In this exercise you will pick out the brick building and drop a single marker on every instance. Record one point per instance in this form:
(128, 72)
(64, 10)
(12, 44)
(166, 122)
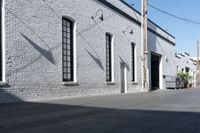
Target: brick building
(66, 48)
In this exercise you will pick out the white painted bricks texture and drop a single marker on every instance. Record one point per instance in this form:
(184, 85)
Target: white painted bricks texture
(34, 49)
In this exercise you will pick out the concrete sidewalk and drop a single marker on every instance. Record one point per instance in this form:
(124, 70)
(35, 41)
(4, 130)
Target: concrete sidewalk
(160, 111)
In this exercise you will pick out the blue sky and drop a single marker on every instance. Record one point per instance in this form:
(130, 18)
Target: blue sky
(186, 34)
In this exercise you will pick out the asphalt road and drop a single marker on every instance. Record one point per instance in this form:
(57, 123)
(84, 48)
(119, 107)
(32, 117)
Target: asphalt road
(175, 111)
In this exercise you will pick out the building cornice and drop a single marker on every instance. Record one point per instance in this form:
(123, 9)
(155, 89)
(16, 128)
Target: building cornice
(121, 12)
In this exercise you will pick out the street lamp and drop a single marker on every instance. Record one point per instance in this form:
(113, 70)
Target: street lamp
(128, 28)
(100, 13)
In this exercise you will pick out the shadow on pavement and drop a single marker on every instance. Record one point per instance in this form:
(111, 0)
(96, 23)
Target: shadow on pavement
(55, 118)
(7, 97)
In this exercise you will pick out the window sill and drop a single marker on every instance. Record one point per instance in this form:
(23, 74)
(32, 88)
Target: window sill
(3, 83)
(71, 83)
(110, 83)
(134, 83)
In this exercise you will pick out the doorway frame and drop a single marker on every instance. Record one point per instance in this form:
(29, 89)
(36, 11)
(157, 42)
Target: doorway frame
(123, 77)
(160, 70)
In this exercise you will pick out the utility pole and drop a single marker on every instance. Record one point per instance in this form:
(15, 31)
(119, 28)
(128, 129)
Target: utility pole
(197, 66)
(145, 46)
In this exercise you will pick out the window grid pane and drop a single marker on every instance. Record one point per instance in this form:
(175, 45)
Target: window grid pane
(67, 42)
(133, 62)
(108, 58)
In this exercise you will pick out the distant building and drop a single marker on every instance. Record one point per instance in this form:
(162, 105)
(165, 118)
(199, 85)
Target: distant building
(185, 63)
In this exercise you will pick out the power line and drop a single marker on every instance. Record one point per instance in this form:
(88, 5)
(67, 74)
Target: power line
(172, 15)
(188, 24)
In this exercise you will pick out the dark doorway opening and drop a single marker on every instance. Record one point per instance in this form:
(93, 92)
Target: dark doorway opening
(155, 71)
(187, 69)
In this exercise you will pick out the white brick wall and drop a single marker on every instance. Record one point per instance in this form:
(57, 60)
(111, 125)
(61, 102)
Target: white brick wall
(34, 48)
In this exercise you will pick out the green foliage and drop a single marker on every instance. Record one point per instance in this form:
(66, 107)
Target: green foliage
(184, 76)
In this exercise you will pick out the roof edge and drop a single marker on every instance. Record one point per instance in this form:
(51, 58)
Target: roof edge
(128, 16)
(148, 18)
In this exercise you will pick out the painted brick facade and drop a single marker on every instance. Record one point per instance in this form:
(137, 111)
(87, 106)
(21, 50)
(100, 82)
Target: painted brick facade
(33, 46)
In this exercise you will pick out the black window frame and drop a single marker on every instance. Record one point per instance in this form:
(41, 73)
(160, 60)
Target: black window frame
(108, 57)
(1, 52)
(67, 49)
(133, 61)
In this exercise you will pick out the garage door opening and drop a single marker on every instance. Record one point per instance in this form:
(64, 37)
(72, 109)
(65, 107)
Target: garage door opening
(155, 71)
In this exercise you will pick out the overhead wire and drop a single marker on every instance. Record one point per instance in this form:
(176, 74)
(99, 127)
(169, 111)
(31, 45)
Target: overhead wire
(175, 16)
(188, 24)
(187, 21)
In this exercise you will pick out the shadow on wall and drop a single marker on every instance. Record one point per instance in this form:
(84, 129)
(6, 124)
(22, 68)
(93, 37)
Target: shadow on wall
(97, 60)
(152, 38)
(46, 53)
(43, 53)
(124, 62)
(54, 118)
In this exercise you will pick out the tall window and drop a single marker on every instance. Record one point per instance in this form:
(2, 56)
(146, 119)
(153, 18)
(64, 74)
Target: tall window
(67, 46)
(133, 61)
(1, 45)
(108, 58)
